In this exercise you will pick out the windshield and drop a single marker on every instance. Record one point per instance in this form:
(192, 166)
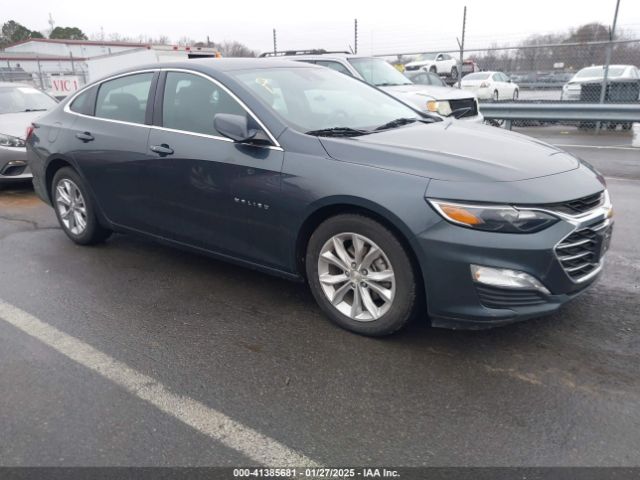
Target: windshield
(425, 78)
(427, 56)
(16, 99)
(310, 99)
(378, 72)
(599, 72)
(477, 76)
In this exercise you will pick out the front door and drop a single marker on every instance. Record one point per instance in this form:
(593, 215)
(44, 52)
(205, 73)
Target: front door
(203, 189)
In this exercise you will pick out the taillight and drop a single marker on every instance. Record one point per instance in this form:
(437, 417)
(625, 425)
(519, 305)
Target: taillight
(29, 131)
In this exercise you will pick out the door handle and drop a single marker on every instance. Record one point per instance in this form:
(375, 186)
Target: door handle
(162, 150)
(84, 136)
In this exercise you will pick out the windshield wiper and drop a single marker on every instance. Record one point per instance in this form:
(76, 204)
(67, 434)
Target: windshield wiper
(398, 122)
(459, 112)
(388, 84)
(337, 132)
(35, 110)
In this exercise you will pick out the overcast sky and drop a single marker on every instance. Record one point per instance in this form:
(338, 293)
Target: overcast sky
(385, 27)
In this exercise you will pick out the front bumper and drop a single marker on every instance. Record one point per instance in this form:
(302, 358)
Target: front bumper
(13, 164)
(455, 300)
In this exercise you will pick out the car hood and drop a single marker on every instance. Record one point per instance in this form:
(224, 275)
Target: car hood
(454, 151)
(419, 95)
(419, 63)
(598, 79)
(15, 124)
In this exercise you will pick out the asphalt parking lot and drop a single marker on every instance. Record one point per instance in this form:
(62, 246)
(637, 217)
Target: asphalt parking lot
(131, 353)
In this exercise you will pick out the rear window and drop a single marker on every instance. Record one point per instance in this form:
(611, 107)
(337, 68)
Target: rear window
(477, 76)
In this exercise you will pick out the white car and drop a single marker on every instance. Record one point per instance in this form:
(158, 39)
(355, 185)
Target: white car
(491, 86)
(572, 90)
(440, 63)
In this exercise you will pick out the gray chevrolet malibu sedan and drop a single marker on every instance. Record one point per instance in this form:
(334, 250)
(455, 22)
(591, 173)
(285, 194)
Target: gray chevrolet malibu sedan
(305, 173)
(20, 104)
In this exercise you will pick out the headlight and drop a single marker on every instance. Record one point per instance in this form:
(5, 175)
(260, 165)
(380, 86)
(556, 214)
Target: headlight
(441, 107)
(494, 218)
(10, 141)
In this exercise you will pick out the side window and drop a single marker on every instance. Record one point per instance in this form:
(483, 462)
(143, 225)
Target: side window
(124, 98)
(434, 79)
(334, 66)
(439, 57)
(83, 103)
(191, 101)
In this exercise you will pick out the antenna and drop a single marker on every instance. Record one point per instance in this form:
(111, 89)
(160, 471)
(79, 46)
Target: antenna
(51, 23)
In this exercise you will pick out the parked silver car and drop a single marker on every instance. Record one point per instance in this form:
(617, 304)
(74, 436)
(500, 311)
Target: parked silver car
(20, 104)
(443, 101)
(618, 74)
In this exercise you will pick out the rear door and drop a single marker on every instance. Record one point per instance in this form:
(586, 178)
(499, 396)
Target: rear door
(201, 188)
(109, 142)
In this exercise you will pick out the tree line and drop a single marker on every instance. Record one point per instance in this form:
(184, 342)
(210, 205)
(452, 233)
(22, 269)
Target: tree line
(543, 52)
(14, 32)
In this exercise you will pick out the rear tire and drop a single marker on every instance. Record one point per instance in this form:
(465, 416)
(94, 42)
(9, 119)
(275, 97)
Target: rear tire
(515, 95)
(368, 285)
(76, 209)
(454, 73)
(494, 97)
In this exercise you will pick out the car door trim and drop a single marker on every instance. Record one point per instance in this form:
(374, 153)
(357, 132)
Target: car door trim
(67, 108)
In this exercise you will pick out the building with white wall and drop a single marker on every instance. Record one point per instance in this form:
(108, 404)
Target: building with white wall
(67, 48)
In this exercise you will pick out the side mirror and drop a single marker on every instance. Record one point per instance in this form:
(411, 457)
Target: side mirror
(234, 127)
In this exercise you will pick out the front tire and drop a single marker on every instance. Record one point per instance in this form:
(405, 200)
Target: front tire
(361, 276)
(495, 96)
(75, 208)
(454, 73)
(515, 95)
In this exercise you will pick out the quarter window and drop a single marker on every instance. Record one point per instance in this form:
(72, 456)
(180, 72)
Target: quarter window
(83, 102)
(124, 98)
(191, 101)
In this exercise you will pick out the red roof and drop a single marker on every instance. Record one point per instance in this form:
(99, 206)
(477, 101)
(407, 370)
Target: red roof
(80, 42)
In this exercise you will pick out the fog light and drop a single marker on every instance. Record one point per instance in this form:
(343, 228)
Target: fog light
(505, 278)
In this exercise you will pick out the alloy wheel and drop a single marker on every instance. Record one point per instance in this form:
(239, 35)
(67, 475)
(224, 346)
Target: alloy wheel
(356, 276)
(71, 206)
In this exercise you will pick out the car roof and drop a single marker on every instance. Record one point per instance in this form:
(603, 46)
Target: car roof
(212, 65)
(15, 84)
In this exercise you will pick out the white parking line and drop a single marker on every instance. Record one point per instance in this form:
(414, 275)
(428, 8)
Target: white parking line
(206, 420)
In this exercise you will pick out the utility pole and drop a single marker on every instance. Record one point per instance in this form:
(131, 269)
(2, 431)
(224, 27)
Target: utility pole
(355, 35)
(461, 44)
(612, 33)
(275, 43)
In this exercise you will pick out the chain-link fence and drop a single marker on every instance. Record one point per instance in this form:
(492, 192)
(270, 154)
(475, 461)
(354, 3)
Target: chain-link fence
(56, 78)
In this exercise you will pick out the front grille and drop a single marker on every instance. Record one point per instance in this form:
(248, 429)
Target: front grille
(494, 297)
(469, 103)
(579, 253)
(578, 206)
(412, 67)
